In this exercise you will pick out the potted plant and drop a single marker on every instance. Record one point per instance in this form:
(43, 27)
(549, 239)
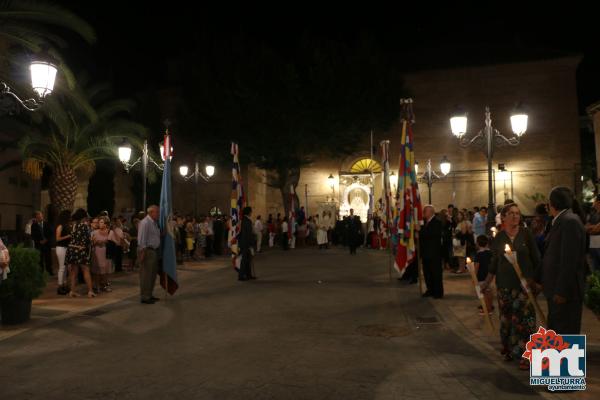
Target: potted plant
(25, 282)
(592, 294)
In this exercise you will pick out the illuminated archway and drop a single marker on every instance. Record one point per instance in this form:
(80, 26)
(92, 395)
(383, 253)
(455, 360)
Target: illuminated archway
(366, 166)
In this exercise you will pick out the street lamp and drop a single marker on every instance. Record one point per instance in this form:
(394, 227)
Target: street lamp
(331, 183)
(503, 175)
(125, 155)
(430, 176)
(393, 182)
(487, 138)
(210, 171)
(43, 76)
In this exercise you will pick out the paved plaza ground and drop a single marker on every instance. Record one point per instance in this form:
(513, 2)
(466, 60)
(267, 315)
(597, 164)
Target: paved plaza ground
(315, 325)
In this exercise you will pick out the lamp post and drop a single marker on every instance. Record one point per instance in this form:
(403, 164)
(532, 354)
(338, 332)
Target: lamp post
(125, 155)
(393, 182)
(503, 175)
(43, 76)
(488, 137)
(197, 174)
(331, 183)
(429, 176)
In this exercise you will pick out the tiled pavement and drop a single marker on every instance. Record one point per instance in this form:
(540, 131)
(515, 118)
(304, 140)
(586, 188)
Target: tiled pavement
(315, 325)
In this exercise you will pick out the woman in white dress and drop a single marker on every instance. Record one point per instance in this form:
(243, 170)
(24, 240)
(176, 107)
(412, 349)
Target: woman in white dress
(322, 226)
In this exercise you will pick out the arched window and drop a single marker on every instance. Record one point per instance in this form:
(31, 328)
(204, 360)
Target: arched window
(366, 166)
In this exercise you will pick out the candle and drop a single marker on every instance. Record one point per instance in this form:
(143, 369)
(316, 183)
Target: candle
(494, 231)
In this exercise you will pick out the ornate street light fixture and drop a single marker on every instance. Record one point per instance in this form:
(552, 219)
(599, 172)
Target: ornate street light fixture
(43, 77)
(429, 176)
(125, 151)
(487, 138)
(183, 171)
(393, 182)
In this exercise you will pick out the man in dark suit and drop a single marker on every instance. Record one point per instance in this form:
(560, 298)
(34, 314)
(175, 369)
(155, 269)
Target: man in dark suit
(246, 243)
(354, 231)
(42, 234)
(430, 246)
(563, 266)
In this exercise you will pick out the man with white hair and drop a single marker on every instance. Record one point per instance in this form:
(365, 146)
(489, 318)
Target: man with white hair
(430, 247)
(148, 248)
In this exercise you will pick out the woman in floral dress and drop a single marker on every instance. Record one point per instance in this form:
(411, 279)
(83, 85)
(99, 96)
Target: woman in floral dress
(517, 315)
(78, 252)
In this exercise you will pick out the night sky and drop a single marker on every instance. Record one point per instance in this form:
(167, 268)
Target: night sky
(136, 39)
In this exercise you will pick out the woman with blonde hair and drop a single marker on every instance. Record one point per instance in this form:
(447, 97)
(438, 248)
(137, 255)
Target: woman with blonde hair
(101, 264)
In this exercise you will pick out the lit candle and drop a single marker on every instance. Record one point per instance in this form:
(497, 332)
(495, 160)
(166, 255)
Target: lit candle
(494, 231)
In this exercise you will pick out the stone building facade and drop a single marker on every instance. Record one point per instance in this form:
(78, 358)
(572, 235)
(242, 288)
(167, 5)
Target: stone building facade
(548, 155)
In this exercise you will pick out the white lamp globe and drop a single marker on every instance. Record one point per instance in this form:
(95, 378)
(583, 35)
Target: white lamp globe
(43, 76)
(445, 166)
(183, 170)
(210, 170)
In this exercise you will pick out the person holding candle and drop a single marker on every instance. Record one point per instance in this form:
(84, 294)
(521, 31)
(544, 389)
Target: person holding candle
(517, 315)
(563, 270)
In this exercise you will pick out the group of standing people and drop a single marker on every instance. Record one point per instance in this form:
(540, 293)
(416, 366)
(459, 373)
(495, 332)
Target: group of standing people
(94, 246)
(551, 253)
(199, 237)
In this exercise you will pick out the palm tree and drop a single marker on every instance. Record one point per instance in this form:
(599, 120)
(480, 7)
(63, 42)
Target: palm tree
(72, 133)
(30, 26)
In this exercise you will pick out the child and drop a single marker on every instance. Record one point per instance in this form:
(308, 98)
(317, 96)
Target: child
(483, 258)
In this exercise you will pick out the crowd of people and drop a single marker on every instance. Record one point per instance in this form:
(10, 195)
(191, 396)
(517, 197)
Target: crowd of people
(551, 251)
(87, 249)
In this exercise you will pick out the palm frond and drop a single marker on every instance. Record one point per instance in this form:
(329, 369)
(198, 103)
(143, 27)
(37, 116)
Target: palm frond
(46, 13)
(116, 107)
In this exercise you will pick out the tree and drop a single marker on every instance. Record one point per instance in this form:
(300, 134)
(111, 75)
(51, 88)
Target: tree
(75, 129)
(286, 110)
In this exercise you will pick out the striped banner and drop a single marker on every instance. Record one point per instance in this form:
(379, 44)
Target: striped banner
(387, 190)
(238, 202)
(409, 208)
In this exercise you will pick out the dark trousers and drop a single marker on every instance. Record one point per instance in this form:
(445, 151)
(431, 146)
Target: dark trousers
(412, 272)
(46, 259)
(432, 269)
(245, 266)
(284, 241)
(148, 272)
(118, 258)
(565, 319)
(209, 247)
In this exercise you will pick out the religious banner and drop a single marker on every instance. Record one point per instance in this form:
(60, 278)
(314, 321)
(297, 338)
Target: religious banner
(410, 213)
(238, 202)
